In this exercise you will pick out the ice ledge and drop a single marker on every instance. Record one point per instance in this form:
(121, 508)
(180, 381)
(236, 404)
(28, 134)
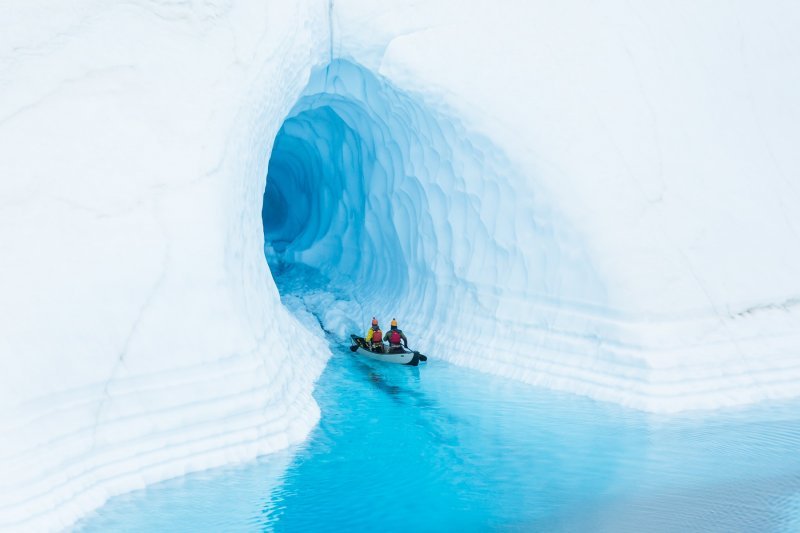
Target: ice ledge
(659, 367)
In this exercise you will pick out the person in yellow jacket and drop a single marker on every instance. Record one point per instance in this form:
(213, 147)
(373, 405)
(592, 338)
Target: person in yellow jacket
(374, 337)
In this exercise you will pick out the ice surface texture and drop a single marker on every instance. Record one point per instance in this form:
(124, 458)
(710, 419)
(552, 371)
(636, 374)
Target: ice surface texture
(656, 170)
(141, 336)
(490, 268)
(585, 196)
(428, 223)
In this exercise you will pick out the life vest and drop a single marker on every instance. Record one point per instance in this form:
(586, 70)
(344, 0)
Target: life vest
(377, 336)
(394, 337)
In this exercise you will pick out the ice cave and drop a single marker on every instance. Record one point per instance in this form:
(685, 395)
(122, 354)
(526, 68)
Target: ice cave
(584, 214)
(368, 185)
(342, 190)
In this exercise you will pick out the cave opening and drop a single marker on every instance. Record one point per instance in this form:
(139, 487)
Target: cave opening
(343, 198)
(396, 209)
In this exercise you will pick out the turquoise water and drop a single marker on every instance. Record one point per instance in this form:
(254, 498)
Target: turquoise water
(442, 448)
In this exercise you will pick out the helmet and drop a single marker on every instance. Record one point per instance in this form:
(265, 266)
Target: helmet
(374, 321)
(394, 322)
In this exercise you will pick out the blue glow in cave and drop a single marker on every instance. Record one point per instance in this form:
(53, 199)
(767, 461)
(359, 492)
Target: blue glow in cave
(395, 200)
(342, 194)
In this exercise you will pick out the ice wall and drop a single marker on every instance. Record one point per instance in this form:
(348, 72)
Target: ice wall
(595, 198)
(418, 216)
(588, 196)
(666, 136)
(141, 336)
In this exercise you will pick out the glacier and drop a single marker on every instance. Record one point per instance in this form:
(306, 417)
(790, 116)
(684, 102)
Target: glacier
(595, 198)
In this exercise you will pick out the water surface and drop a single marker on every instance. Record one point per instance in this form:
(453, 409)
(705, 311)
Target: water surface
(442, 448)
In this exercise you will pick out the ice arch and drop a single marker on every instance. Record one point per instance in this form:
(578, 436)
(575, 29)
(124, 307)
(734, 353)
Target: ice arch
(425, 221)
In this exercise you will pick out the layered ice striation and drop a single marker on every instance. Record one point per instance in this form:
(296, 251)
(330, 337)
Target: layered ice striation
(607, 210)
(484, 264)
(657, 152)
(141, 336)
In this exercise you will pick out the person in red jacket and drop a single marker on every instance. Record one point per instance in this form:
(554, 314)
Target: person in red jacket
(395, 337)
(374, 337)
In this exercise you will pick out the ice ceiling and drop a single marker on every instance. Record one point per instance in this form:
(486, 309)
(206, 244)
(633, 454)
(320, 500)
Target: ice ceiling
(349, 187)
(342, 194)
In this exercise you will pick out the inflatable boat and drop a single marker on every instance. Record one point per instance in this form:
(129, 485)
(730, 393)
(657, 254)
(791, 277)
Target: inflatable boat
(399, 356)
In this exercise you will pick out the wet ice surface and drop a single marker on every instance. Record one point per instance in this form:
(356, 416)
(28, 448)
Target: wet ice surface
(440, 448)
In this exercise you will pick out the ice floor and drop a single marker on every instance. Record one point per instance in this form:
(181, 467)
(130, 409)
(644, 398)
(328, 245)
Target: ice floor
(442, 447)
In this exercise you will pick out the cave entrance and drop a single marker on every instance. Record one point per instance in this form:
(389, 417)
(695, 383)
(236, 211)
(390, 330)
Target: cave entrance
(341, 201)
(371, 190)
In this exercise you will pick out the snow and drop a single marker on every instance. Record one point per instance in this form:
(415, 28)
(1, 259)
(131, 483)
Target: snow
(141, 335)
(653, 147)
(592, 197)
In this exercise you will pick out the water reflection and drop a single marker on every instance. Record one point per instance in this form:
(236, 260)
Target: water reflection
(440, 448)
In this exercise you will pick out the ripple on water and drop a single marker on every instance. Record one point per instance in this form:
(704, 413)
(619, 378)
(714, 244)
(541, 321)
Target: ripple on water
(440, 448)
